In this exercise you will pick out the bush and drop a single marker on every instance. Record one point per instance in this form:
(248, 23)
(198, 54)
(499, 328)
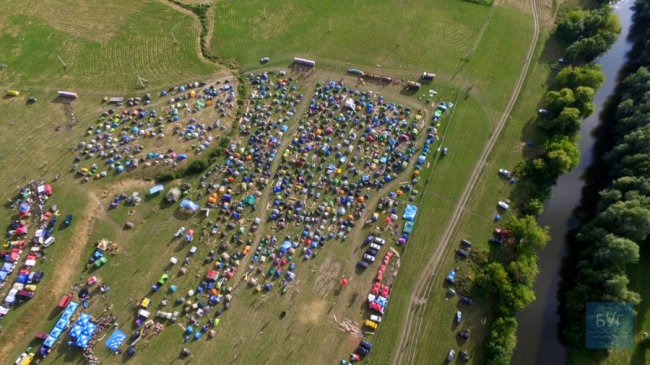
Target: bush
(196, 167)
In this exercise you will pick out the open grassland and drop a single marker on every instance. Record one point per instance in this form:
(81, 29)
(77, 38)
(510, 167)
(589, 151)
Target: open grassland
(105, 47)
(470, 47)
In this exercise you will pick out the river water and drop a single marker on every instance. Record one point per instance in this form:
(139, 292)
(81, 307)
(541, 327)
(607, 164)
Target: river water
(537, 341)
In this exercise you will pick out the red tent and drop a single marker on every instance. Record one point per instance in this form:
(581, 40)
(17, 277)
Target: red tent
(211, 275)
(344, 281)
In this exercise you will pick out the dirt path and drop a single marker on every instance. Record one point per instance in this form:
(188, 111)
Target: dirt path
(409, 336)
(197, 26)
(66, 274)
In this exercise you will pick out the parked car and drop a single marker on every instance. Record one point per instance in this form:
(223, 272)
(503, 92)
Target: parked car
(542, 111)
(35, 277)
(450, 355)
(371, 252)
(503, 205)
(459, 316)
(464, 355)
(505, 173)
(68, 220)
(49, 241)
(501, 231)
(462, 253)
(264, 59)
(466, 300)
(495, 240)
(466, 243)
(370, 324)
(380, 241)
(368, 257)
(376, 318)
(366, 344)
(375, 246)
(362, 264)
(362, 351)
(464, 333)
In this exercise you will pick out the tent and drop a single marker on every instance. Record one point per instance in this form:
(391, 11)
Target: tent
(156, 189)
(173, 195)
(115, 341)
(189, 205)
(410, 212)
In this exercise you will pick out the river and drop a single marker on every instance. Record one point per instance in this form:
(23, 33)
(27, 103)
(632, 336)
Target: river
(538, 342)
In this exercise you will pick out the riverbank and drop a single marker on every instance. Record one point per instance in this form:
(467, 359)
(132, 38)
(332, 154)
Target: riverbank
(538, 342)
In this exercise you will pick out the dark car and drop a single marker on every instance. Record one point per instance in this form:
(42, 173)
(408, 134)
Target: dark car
(362, 264)
(495, 241)
(371, 252)
(35, 277)
(466, 243)
(68, 220)
(462, 253)
(362, 351)
(464, 355)
(466, 300)
(464, 333)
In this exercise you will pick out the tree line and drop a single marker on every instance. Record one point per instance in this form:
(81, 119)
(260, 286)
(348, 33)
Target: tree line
(609, 243)
(586, 34)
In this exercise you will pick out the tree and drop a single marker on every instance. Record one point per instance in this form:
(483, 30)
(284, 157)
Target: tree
(528, 232)
(615, 252)
(562, 155)
(627, 219)
(587, 49)
(567, 122)
(571, 25)
(534, 207)
(558, 100)
(588, 75)
(584, 96)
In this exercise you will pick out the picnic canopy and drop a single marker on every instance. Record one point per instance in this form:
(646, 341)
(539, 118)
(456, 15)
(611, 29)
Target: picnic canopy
(83, 331)
(115, 341)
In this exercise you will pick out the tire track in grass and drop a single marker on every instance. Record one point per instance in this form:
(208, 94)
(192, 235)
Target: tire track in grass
(419, 299)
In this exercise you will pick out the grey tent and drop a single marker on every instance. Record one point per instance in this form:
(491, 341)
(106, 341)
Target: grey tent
(173, 195)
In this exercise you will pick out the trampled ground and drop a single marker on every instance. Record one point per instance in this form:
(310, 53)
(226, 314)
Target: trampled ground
(469, 46)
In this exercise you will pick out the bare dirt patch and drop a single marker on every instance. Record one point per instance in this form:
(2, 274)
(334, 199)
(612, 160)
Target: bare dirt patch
(312, 312)
(327, 276)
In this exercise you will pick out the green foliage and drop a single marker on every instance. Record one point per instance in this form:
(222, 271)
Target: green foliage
(196, 167)
(501, 341)
(534, 207)
(566, 123)
(482, 2)
(589, 32)
(556, 101)
(574, 76)
(562, 155)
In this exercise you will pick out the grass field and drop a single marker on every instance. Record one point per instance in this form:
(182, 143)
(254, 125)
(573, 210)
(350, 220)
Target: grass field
(469, 46)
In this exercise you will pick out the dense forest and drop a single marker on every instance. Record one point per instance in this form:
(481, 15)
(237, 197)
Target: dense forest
(606, 245)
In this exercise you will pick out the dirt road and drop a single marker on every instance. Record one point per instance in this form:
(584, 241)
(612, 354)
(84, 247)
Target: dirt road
(409, 336)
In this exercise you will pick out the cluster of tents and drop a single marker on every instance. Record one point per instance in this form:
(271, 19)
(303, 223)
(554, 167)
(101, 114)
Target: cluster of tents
(59, 328)
(113, 139)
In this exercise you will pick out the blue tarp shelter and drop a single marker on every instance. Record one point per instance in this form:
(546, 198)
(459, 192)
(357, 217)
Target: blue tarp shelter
(189, 205)
(115, 341)
(408, 227)
(156, 189)
(410, 212)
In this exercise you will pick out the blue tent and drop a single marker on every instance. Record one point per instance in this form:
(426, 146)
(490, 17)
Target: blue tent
(115, 341)
(156, 189)
(410, 212)
(7, 267)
